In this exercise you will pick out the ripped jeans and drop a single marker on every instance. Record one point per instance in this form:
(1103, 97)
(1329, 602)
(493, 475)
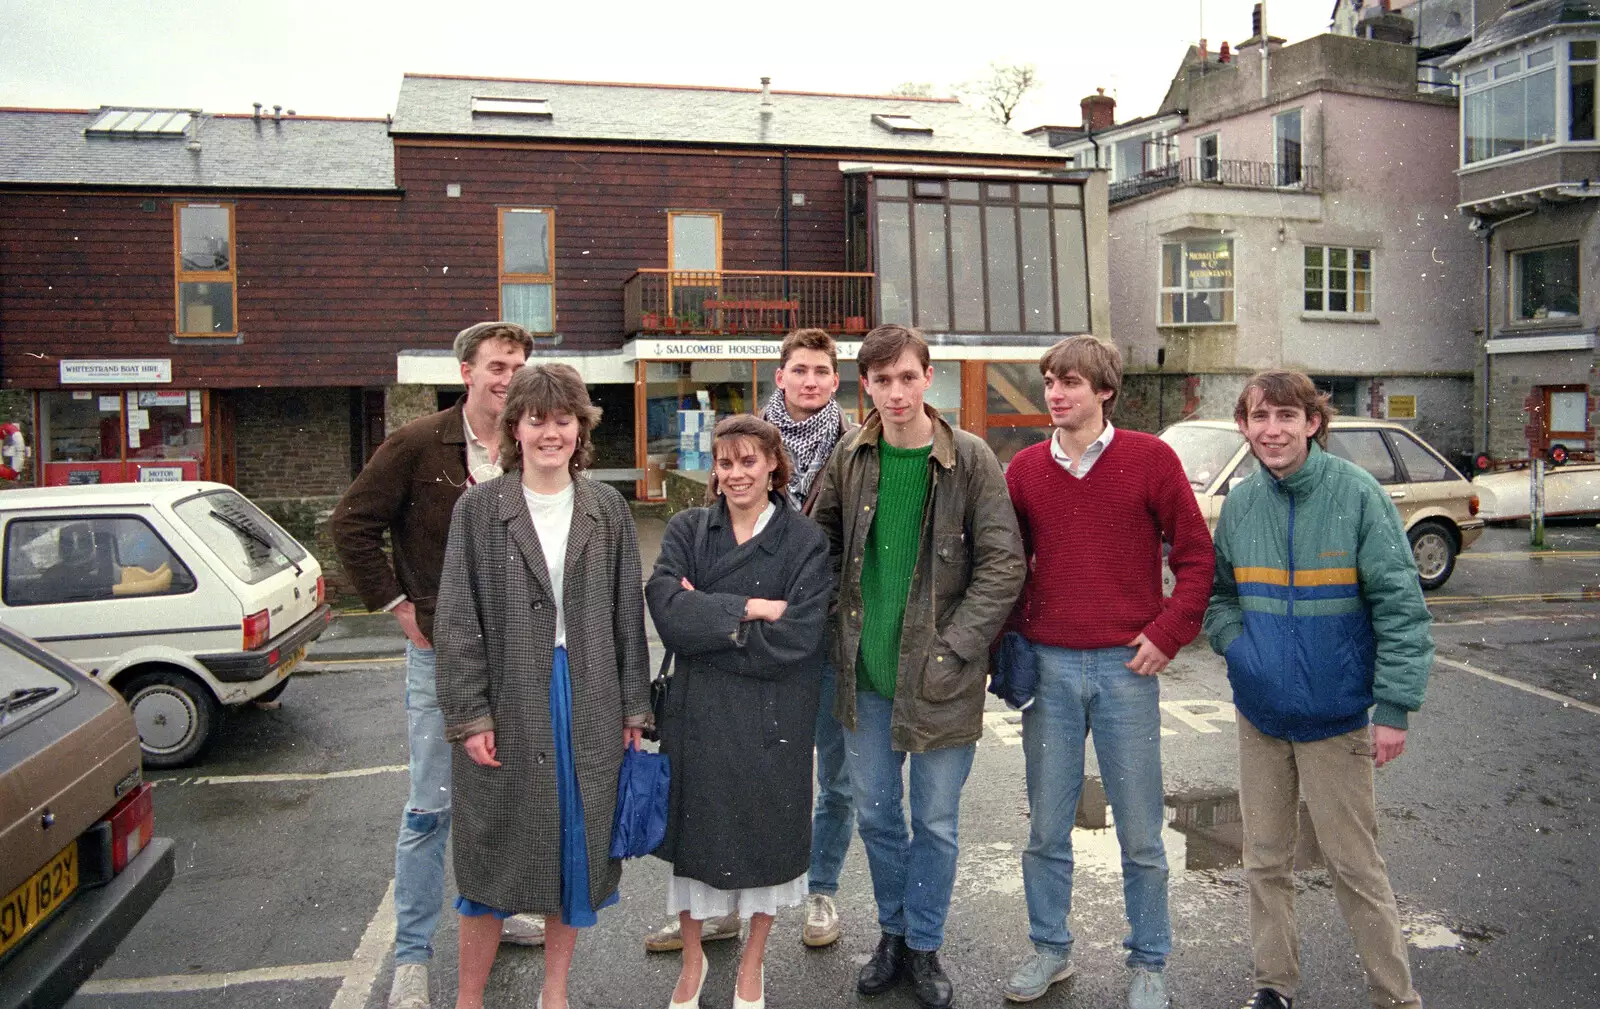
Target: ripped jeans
(425, 824)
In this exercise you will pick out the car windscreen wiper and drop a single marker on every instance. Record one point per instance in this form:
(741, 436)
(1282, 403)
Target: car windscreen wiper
(22, 697)
(257, 535)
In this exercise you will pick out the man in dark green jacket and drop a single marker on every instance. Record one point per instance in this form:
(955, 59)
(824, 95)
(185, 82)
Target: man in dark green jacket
(929, 563)
(1317, 608)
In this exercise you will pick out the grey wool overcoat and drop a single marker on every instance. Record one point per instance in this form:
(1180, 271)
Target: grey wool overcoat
(741, 712)
(495, 637)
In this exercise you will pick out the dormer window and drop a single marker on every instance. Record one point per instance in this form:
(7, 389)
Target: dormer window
(896, 123)
(504, 105)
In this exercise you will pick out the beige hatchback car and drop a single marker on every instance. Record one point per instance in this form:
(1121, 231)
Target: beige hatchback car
(1437, 504)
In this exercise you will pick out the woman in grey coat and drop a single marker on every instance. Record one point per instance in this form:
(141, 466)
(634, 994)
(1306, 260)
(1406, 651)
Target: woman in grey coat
(543, 680)
(740, 595)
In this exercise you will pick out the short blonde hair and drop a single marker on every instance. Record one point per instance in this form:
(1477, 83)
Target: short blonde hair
(540, 390)
(1097, 362)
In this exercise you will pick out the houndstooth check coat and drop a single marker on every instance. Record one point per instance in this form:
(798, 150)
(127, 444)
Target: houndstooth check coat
(495, 637)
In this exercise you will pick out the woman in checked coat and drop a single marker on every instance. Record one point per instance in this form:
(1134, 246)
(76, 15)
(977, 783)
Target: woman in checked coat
(740, 595)
(543, 679)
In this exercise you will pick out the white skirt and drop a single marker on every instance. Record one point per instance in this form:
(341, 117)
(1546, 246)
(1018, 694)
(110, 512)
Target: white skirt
(704, 901)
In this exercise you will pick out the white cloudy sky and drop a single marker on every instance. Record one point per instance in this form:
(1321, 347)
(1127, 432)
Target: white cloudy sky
(345, 57)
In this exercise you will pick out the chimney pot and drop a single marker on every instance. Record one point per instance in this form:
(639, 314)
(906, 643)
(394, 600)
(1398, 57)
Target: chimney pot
(766, 91)
(1224, 55)
(1099, 111)
(258, 109)
(277, 112)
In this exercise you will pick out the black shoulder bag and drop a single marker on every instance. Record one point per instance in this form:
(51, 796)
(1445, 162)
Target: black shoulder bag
(663, 680)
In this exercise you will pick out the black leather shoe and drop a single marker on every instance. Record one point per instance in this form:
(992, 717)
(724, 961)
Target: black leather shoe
(1268, 998)
(883, 970)
(928, 982)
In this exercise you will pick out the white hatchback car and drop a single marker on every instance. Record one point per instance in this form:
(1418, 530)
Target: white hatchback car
(183, 596)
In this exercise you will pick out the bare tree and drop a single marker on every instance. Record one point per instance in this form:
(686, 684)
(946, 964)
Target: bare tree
(1003, 90)
(912, 89)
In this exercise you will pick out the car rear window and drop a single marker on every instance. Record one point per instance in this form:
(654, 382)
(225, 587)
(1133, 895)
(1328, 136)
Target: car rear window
(248, 543)
(1202, 450)
(1422, 466)
(26, 688)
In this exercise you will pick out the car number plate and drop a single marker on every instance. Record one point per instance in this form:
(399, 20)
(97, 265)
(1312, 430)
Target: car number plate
(34, 901)
(288, 666)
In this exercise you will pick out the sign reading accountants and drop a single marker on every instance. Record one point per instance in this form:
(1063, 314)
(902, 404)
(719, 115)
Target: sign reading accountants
(123, 371)
(1209, 264)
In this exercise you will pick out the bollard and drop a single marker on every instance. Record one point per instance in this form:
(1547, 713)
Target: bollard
(1536, 500)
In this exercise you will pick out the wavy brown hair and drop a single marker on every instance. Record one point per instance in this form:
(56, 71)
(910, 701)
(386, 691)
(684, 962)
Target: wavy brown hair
(540, 390)
(1288, 388)
(748, 429)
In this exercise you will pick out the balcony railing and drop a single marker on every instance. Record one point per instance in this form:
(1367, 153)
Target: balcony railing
(1219, 172)
(747, 302)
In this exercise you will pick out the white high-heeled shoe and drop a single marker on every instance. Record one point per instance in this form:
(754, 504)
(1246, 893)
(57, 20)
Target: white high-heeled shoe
(761, 1000)
(694, 1000)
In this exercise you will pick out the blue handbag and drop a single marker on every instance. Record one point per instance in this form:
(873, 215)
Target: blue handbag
(1014, 671)
(641, 821)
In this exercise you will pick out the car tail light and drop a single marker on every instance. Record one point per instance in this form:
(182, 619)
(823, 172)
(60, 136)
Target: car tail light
(133, 824)
(257, 628)
(322, 590)
(1472, 505)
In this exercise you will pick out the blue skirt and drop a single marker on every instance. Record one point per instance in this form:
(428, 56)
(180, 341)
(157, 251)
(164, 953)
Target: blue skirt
(575, 909)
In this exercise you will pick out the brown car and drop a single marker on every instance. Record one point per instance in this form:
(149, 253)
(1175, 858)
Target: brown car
(1437, 504)
(79, 859)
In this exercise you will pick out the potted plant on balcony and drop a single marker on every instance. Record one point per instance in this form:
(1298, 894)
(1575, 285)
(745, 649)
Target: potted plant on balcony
(650, 320)
(855, 324)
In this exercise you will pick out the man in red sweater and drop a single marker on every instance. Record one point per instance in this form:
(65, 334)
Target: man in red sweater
(1095, 505)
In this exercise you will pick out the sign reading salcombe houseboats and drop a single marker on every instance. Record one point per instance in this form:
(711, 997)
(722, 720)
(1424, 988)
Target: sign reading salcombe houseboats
(129, 370)
(699, 350)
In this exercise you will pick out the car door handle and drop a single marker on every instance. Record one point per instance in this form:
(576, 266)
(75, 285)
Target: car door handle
(1397, 494)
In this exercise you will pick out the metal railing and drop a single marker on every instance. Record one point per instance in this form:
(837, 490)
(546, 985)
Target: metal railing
(1219, 172)
(747, 302)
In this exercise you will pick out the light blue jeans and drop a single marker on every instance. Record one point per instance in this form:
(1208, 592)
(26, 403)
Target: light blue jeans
(425, 825)
(912, 873)
(834, 817)
(1080, 690)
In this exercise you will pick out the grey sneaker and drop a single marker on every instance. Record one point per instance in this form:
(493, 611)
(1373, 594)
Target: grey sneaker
(1037, 973)
(523, 930)
(1148, 989)
(822, 921)
(669, 937)
(410, 988)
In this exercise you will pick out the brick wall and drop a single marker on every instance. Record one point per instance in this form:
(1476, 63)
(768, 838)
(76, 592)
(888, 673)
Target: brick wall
(292, 443)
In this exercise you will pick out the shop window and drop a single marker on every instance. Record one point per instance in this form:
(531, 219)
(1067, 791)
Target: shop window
(683, 400)
(1338, 280)
(528, 268)
(90, 436)
(206, 274)
(975, 258)
(1545, 284)
(1197, 282)
(66, 559)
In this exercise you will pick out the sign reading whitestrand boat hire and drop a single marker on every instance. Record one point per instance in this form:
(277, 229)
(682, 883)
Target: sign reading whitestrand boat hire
(96, 372)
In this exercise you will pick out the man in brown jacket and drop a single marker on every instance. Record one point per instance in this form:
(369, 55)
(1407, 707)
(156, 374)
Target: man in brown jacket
(408, 492)
(929, 563)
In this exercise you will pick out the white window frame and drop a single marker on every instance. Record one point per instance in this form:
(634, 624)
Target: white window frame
(1200, 158)
(1546, 55)
(1514, 296)
(1278, 163)
(1350, 273)
(1183, 288)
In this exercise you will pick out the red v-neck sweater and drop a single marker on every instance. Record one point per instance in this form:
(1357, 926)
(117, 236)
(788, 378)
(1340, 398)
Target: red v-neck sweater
(1094, 547)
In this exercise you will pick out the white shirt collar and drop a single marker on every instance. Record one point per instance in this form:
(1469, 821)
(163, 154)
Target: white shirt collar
(1090, 454)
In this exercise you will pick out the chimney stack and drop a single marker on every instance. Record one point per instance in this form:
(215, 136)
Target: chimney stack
(1205, 53)
(1255, 22)
(1224, 55)
(1099, 111)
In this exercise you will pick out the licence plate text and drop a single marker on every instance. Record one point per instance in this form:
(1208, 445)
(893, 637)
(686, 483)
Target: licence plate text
(35, 900)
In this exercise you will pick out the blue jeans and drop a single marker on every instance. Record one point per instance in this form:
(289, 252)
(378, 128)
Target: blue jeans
(1077, 690)
(425, 825)
(833, 819)
(912, 875)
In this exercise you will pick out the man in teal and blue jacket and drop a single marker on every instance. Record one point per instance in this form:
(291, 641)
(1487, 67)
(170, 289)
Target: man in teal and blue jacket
(1317, 608)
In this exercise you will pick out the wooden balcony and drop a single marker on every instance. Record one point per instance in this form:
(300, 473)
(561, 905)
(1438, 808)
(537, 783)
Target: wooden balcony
(747, 302)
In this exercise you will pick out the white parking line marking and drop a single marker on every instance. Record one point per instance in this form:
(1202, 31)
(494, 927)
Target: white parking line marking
(1549, 695)
(1198, 715)
(370, 951)
(257, 779)
(359, 972)
(171, 983)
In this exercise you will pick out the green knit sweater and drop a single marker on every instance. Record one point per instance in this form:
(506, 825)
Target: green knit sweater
(890, 561)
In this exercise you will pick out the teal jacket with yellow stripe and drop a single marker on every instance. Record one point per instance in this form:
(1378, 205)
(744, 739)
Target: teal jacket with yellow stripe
(1316, 604)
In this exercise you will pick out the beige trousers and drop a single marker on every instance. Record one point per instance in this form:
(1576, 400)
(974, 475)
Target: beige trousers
(1335, 777)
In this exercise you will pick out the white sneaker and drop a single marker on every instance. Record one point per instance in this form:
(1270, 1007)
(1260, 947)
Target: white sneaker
(822, 921)
(523, 930)
(410, 988)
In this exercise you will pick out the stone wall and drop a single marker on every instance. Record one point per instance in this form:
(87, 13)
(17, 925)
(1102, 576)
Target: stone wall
(291, 443)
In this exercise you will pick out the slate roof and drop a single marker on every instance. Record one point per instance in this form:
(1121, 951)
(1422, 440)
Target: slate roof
(650, 113)
(49, 148)
(1530, 19)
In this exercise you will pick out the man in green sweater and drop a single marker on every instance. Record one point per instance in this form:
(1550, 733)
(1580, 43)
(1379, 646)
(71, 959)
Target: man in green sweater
(930, 562)
(1317, 608)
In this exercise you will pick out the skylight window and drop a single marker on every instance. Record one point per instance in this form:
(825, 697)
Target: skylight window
(896, 123)
(500, 105)
(141, 123)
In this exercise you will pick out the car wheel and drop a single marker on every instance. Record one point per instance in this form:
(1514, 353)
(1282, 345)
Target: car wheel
(273, 694)
(174, 714)
(1433, 547)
